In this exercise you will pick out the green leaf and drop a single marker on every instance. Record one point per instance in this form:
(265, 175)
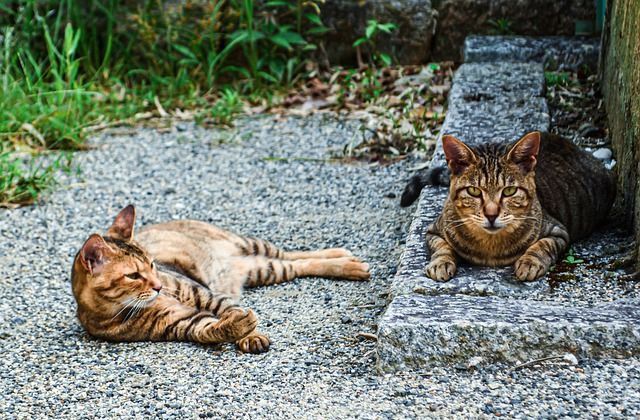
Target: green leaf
(236, 69)
(293, 37)
(385, 58)
(360, 41)
(267, 76)
(387, 27)
(185, 51)
(281, 41)
(318, 30)
(313, 18)
(372, 25)
(277, 3)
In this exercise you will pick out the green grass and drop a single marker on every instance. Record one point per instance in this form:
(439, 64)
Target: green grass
(558, 78)
(69, 65)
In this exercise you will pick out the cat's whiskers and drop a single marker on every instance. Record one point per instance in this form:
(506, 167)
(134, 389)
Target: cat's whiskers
(125, 305)
(454, 225)
(457, 221)
(141, 306)
(135, 309)
(524, 218)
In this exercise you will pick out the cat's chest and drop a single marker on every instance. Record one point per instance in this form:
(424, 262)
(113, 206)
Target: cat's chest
(489, 249)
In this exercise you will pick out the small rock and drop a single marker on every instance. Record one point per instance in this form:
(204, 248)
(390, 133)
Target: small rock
(474, 362)
(570, 358)
(493, 385)
(603, 154)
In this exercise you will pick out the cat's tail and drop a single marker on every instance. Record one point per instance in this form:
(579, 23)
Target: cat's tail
(437, 175)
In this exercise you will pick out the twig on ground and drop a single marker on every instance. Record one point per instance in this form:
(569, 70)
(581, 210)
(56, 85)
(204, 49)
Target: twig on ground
(367, 354)
(368, 306)
(161, 110)
(367, 336)
(29, 128)
(141, 116)
(570, 358)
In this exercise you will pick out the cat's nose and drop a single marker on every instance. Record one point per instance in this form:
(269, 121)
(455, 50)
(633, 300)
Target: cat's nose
(157, 288)
(491, 218)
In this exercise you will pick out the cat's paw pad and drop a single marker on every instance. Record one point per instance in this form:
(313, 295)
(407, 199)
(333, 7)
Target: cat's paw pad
(254, 343)
(237, 324)
(441, 270)
(529, 268)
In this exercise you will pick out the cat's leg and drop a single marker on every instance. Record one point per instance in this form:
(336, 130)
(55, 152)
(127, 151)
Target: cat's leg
(260, 247)
(190, 293)
(194, 294)
(260, 271)
(176, 322)
(540, 256)
(257, 271)
(443, 258)
(206, 304)
(239, 272)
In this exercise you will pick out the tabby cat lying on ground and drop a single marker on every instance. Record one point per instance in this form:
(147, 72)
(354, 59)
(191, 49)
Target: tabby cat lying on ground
(181, 281)
(518, 205)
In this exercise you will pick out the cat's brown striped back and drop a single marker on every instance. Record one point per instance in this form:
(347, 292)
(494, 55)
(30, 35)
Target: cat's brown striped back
(520, 205)
(182, 280)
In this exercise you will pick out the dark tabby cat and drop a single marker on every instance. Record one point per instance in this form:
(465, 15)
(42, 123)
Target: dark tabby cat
(518, 205)
(181, 281)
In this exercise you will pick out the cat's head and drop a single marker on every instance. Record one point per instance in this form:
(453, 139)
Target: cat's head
(113, 270)
(492, 188)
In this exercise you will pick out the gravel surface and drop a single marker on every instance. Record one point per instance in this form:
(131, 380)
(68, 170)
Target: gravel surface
(269, 178)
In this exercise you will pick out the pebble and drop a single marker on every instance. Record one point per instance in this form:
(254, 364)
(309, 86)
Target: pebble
(603, 154)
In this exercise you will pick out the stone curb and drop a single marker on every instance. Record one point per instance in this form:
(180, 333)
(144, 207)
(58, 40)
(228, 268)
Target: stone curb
(555, 52)
(437, 330)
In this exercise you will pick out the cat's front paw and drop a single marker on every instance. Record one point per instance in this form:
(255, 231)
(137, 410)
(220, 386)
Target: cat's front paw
(237, 324)
(441, 269)
(352, 268)
(529, 268)
(255, 343)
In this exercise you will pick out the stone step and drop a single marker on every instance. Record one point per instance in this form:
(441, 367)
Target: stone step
(421, 331)
(554, 52)
(494, 102)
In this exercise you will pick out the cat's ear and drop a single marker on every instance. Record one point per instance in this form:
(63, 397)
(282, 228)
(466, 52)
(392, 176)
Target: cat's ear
(94, 253)
(459, 155)
(122, 227)
(525, 152)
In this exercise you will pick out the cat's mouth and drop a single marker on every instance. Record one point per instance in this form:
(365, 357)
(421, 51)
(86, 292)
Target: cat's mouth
(150, 298)
(492, 228)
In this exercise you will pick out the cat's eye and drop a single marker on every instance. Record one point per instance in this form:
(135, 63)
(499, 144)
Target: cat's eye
(134, 276)
(474, 192)
(509, 191)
